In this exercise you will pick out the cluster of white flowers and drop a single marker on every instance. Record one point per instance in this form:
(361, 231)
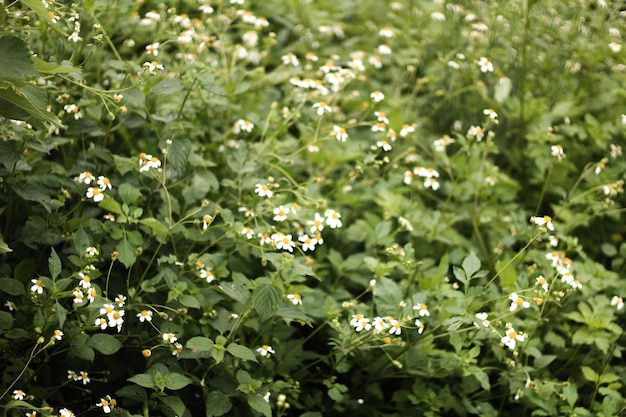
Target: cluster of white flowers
(148, 162)
(114, 318)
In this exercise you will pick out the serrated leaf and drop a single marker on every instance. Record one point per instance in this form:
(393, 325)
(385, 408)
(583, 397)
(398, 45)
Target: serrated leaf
(109, 204)
(200, 343)
(15, 58)
(127, 253)
(168, 87)
(241, 352)
(61, 314)
(158, 227)
(471, 264)
(12, 286)
(217, 404)
(175, 403)
(128, 193)
(54, 264)
(189, 301)
(6, 320)
(176, 381)
(267, 299)
(143, 380)
(51, 68)
(26, 100)
(104, 343)
(235, 291)
(589, 373)
(256, 402)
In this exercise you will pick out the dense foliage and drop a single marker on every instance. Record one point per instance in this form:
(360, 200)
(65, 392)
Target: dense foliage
(300, 208)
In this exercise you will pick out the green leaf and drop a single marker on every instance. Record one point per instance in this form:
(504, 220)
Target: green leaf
(132, 392)
(235, 291)
(23, 101)
(109, 204)
(54, 264)
(51, 68)
(589, 374)
(200, 343)
(61, 313)
(241, 352)
(128, 193)
(81, 240)
(217, 404)
(388, 296)
(176, 381)
(168, 87)
(267, 299)
(83, 352)
(127, 253)
(12, 286)
(483, 378)
(508, 275)
(175, 403)
(143, 380)
(104, 343)
(189, 301)
(4, 247)
(543, 361)
(15, 59)
(6, 320)
(256, 402)
(471, 264)
(158, 228)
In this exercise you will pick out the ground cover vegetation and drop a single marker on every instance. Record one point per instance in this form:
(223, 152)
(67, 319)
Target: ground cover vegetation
(312, 208)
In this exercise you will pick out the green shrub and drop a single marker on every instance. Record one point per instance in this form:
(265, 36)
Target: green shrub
(312, 208)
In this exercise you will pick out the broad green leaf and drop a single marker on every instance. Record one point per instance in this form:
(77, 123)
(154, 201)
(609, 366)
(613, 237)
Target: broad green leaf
(508, 275)
(267, 299)
(109, 204)
(158, 227)
(256, 402)
(589, 373)
(104, 343)
(175, 403)
(143, 380)
(200, 343)
(241, 352)
(127, 253)
(28, 99)
(51, 68)
(189, 301)
(15, 59)
(176, 381)
(12, 286)
(6, 320)
(471, 264)
(81, 240)
(128, 193)
(543, 361)
(54, 264)
(217, 404)
(83, 352)
(61, 314)
(132, 392)
(168, 87)
(388, 297)
(570, 392)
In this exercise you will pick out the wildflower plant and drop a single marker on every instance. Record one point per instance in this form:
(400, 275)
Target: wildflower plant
(311, 208)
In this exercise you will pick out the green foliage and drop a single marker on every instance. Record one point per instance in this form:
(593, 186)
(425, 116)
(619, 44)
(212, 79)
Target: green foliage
(312, 208)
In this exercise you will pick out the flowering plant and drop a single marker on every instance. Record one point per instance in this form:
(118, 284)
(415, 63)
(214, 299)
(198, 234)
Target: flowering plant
(311, 209)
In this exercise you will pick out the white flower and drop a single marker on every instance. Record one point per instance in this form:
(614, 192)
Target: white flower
(482, 317)
(280, 213)
(243, 126)
(308, 243)
(377, 96)
(542, 282)
(340, 133)
(422, 310)
(511, 337)
(557, 151)
(543, 221)
(332, 218)
(145, 315)
(517, 301)
(263, 190)
(169, 337)
(485, 65)
(615, 47)
(295, 299)
(95, 193)
(37, 286)
(153, 48)
(283, 241)
(265, 350)
(360, 322)
(618, 302)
